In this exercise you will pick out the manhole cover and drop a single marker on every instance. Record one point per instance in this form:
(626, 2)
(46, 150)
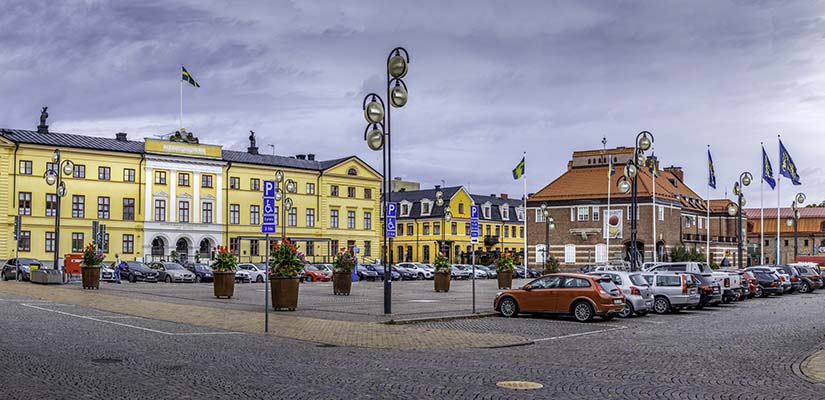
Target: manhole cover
(106, 360)
(519, 385)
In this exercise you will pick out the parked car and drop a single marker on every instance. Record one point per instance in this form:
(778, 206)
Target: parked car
(203, 272)
(491, 272)
(810, 277)
(107, 273)
(638, 297)
(255, 274)
(751, 281)
(769, 282)
(730, 285)
(710, 294)
(172, 272)
(518, 272)
(672, 291)
(313, 273)
(458, 273)
(784, 278)
(12, 271)
(242, 275)
(406, 273)
(479, 274)
(797, 280)
(579, 295)
(419, 271)
(367, 272)
(137, 271)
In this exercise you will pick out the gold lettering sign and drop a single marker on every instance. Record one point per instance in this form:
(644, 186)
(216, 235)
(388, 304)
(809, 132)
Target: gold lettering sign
(182, 149)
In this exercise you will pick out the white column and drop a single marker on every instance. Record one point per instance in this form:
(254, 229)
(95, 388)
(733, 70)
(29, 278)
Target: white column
(148, 204)
(173, 200)
(196, 189)
(219, 198)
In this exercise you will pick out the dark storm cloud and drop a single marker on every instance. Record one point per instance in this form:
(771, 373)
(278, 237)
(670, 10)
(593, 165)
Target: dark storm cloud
(488, 80)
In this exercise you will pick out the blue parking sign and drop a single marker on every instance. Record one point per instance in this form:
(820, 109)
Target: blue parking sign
(474, 224)
(269, 224)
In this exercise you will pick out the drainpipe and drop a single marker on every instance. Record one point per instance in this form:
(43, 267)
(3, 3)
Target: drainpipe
(14, 179)
(140, 183)
(226, 206)
(319, 216)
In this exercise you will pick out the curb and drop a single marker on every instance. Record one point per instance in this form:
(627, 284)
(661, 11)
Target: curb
(409, 321)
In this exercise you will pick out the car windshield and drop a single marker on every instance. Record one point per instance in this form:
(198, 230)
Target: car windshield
(703, 268)
(202, 267)
(608, 285)
(172, 266)
(637, 279)
(29, 261)
(136, 265)
(310, 268)
(260, 267)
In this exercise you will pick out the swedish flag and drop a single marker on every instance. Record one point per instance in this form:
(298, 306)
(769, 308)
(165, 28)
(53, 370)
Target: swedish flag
(611, 169)
(767, 170)
(518, 171)
(786, 165)
(653, 165)
(188, 78)
(711, 172)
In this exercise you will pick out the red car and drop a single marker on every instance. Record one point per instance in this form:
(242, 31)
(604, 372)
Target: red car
(749, 279)
(313, 273)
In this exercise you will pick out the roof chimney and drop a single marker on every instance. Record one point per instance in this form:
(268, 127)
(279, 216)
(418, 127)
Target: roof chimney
(676, 171)
(252, 149)
(493, 195)
(437, 187)
(301, 156)
(505, 196)
(311, 157)
(120, 136)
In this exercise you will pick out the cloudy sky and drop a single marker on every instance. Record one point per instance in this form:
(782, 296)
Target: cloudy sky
(487, 81)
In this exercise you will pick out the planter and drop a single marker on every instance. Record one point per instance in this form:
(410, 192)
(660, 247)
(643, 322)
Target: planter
(505, 279)
(342, 283)
(224, 284)
(284, 293)
(91, 277)
(442, 281)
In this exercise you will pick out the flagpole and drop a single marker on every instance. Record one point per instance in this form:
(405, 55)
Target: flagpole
(525, 214)
(607, 216)
(653, 179)
(762, 210)
(778, 190)
(707, 222)
(180, 79)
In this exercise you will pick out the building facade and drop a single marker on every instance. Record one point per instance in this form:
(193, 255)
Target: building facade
(178, 198)
(810, 236)
(578, 203)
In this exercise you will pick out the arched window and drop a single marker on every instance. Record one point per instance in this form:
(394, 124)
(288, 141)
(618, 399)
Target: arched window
(822, 227)
(352, 171)
(157, 247)
(750, 227)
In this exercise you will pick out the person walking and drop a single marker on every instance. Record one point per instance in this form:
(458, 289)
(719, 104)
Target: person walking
(116, 268)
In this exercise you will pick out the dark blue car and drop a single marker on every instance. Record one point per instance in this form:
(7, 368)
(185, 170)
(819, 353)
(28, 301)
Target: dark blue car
(203, 272)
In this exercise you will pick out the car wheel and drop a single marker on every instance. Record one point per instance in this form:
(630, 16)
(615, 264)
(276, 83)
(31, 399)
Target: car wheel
(168, 279)
(420, 276)
(661, 305)
(132, 278)
(309, 278)
(627, 311)
(19, 276)
(583, 311)
(804, 287)
(197, 279)
(759, 292)
(5, 277)
(260, 279)
(508, 307)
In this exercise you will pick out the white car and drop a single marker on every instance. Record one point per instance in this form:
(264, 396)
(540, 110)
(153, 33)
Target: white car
(107, 274)
(242, 275)
(419, 270)
(255, 274)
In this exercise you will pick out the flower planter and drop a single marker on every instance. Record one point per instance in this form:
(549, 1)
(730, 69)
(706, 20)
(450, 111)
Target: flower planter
(505, 279)
(224, 284)
(91, 277)
(442, 281)
(342, 283)
(284, 293)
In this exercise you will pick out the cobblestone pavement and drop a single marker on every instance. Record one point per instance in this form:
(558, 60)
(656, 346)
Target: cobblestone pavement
(749, 350)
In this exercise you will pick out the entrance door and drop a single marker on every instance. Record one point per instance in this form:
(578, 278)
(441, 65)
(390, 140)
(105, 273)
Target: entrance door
(182, 247)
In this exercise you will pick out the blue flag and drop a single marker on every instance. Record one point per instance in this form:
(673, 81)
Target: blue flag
(518, 171)
(786, 166)
(711, 173)
(611, 169)
(653, 165)
(767, 170)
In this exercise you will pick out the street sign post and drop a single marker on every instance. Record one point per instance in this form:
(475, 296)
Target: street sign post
(269, 225)
(473, 243)
(392, 210)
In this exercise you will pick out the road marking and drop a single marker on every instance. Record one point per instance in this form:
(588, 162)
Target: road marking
(115, 316)
(424, 301)
(128, 325)
(580, 334)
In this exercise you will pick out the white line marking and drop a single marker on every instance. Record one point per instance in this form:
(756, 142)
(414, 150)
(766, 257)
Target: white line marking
(130, 326)
(115, 316)
(580, 334)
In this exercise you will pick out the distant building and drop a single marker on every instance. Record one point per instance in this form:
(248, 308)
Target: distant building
(399, 185)
(810, 235)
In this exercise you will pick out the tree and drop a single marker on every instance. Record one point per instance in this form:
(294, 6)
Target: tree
(680, 253)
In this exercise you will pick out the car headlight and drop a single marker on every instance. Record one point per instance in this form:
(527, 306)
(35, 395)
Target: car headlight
(138, 273)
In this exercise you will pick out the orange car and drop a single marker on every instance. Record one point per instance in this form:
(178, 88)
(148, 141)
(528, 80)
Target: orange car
(582, 296)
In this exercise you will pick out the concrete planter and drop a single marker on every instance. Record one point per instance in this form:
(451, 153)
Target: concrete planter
(284, 293)
(224, 284)
(442, 282)
(342, 283)
(90, 277)
(505, 279)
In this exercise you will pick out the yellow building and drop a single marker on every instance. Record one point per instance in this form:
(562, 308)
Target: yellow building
(178, 198)
(421, 233)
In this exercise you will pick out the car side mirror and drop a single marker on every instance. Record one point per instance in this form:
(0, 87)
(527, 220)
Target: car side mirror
(527, 287)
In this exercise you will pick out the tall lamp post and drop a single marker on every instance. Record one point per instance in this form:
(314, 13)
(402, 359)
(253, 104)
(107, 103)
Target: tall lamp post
(629, 183)
(794, 221)
(549, 223)
(745, 179)
(55, 178)
(289, 187)
(446, 216)
(378, 132)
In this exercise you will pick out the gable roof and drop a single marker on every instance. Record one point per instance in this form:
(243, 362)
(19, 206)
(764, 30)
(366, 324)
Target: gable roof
(415, 197)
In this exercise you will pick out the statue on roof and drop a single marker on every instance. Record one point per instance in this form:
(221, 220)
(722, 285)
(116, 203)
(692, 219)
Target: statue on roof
(44, 115)
(251, 138)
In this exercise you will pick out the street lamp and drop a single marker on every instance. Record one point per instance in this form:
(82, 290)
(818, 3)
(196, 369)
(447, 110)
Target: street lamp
(629, 183)
(446, 216)
(377, 136)
(794, 220)
(745, 179)
(54, 177)
(549, 223)
(284, 188)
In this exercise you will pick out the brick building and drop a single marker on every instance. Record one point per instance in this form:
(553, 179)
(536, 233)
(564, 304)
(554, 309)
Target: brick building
(811, 233)
(578, 201)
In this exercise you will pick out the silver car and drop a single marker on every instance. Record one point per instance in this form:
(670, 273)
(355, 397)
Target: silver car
(172, 272)
(672, 291)
(637, 292)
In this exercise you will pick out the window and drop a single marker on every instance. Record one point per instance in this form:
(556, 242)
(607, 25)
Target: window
(582, 214)
(700, 222)
(505, 212)
(661, 213)
(206, 181)
(254, 215)
(467, 228)
(767, 243)
(79, 171)
(160, 210)
(461, 208)
(506, 232)
(368, 194)
(310, 217)
(352, 171)
(426, 228)
(333, 191)
(49, 242)
(333, 247)
(333, 218)
(540, 215)
(454, 228)
(104, 173)
(575, 283)
(160, 177)
(128, 209)
(206, 213)
(254, 184)
(405, 210)
(410, 229)
(50, 166)
(350, 219)
(310, 248)
(513, 231)
(254, 247)
(102, 208)
(426, 253)
(24, 203)
(183, 211)
(521, 232)
(487, 230)
(77, 242)
(786, 242)
(351, 192)
(234, 214)
(105, 246)
(687, 222)
(234, 182)
(183, 179)
(292, 217)
(570, 254)
(572, 214)
(806, 242)
(78, 206)
(128, 175)
(400, 229)
(520, 214)
(24, 241)
(367, 220)
(235, 245)
(425, 208)
(128, 244)
(25, 168)
(595, 213)
(487, 210)
(436, 228)
(668, 280)
(367, 248)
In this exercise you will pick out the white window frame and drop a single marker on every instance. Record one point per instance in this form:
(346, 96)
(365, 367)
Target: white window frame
(505, 211)
(487, 210)
(572, 214)
(540, 253)
(582, 214)
(539, 215)
(661, 213)
(520, 214)
(429, 209)
(570, 254)
(595, 213)
(700, 222)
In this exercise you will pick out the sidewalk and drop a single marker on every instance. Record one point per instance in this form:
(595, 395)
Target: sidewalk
(814, 366)
(326, 331)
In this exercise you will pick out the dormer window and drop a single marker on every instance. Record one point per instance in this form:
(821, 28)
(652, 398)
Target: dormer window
(405, 209)
(487, 210)
(505, 212)
(520, 213)
(426, 207)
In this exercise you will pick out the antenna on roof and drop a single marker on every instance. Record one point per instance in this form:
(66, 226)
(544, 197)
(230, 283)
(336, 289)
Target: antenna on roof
(163, 136)
(273, 148)
(604, 142)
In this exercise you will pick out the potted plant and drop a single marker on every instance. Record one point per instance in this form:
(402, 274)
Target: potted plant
(342, 267)
(92, 257)
(504, 267)
(443, 271)
(551, 265)
(224, 273)
(285, 265)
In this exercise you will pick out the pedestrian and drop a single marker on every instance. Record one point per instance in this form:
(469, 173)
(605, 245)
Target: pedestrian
(725, 262)
(116, 268)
